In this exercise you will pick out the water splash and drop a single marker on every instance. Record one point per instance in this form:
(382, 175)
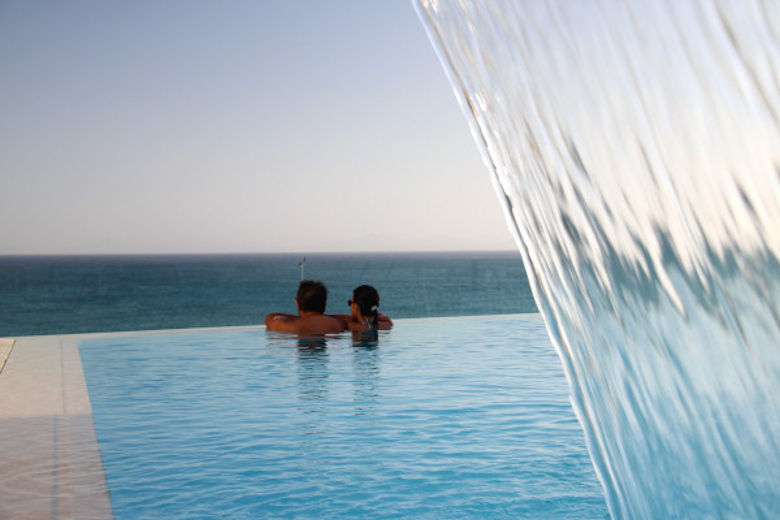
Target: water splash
(636, 150)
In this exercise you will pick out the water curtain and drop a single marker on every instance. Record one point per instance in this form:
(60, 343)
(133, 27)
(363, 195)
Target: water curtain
(635, 147)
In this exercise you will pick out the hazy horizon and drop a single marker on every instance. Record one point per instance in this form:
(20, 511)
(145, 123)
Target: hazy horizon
(238, 128)
(294, 255)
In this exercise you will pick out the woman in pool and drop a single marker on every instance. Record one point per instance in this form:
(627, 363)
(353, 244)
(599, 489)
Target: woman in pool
(365, 315)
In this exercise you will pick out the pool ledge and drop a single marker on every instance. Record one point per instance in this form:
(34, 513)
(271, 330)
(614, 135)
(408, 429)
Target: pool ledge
(50, 464)
(78, 336)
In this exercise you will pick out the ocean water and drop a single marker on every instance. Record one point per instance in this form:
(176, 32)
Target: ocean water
(635, 146)
(57, 295)
(438, 418)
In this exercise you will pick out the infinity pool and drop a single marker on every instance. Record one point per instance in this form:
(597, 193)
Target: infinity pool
(438, 418)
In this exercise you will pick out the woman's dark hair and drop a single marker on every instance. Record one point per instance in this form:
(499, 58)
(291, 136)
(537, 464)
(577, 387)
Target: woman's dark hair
(367, 298)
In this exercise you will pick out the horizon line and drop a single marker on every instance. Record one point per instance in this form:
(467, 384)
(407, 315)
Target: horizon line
(282, 253)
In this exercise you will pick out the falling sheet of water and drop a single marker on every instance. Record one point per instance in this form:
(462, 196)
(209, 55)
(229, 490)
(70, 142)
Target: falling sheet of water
(636, 149)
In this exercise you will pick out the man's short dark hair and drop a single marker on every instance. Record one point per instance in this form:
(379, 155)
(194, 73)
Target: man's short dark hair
(312, 296)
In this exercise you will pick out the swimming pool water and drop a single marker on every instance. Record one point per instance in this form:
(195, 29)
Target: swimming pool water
(442, 418)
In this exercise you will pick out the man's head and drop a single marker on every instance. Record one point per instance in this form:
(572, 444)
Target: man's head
(312, 296)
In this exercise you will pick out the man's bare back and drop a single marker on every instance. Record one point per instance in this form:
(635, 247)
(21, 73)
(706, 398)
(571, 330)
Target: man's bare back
(310, 301)
(306, 323)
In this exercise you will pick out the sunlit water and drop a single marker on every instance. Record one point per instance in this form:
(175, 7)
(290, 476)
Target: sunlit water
(446, 418)
(636, 148)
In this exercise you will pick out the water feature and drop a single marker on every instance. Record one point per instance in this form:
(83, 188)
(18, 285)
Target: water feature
(635, 147)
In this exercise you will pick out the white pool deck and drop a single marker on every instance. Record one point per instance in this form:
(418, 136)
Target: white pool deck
(50, 463)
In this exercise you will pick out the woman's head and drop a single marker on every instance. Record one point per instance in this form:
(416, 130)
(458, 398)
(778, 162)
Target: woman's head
(366, 298)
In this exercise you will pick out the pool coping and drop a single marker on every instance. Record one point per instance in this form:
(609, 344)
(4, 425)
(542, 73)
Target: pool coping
(50, 462)
(228, 328)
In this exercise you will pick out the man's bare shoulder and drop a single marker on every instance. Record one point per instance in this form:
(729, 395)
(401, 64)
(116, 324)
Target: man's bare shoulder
(321, 324)
(282, 322)
(312, 324)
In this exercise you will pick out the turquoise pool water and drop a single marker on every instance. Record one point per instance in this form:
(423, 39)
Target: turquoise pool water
(439, 418)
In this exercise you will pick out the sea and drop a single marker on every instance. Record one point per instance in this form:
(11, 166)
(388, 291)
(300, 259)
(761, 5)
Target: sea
(78, 294)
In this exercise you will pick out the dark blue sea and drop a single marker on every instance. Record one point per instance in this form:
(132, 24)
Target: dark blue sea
(72, 294)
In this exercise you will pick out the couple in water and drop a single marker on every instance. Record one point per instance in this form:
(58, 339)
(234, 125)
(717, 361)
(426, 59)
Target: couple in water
(311, 299)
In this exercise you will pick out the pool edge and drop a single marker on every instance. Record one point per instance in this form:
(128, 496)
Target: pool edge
(197, 330)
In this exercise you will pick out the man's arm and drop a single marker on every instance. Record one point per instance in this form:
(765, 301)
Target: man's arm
(345, 318)
(282, 322)
(382, 320)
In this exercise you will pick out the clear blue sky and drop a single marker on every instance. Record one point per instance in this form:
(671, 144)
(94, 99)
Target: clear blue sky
(237, 126)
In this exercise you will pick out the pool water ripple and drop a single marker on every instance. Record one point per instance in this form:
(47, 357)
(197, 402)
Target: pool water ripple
(436, 419)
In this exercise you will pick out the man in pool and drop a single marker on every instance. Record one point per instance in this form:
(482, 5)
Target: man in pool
(311, 299)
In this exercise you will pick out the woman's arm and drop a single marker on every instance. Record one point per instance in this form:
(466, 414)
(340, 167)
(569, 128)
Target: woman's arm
(383, 321)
